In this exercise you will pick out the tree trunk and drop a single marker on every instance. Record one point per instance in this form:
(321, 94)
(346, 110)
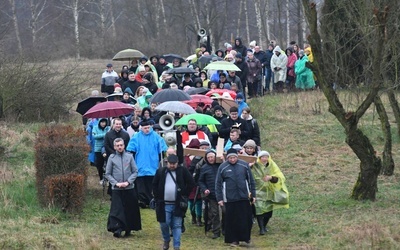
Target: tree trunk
(113, 29)
(300, 22)
(239, 18)
(267, 19)
(280, 28)
(257, 7)
(287, 24)
(16, 27)
(387, 158)
(366, 185)
(164, 19)
(102, 23)
(75, 11)
(246, 14)
(395, 107)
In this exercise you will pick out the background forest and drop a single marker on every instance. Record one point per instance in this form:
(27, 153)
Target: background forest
(59, 29)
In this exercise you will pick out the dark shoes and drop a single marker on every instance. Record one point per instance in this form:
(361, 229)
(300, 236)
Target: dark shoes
(128, 233)
(216, 235)
(117, 234)
(165, 245)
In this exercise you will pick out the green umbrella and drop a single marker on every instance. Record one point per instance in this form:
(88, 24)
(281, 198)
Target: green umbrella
(128, 55)
(201, 119)
(222, 65)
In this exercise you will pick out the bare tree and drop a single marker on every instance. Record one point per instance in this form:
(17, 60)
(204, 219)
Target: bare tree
(246, 14)
(287, 23)
(260, 27)
(16, 27)
(370, 164)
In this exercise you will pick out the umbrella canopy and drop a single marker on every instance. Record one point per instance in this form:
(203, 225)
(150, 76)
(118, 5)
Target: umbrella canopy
(86, 104)
(112, 96)
(205, 59)
(195, 91)
(176, 107)
(181, 70)
(166, 95)
(201, 119)
(128, 55)
(226, 103)
(199, 100)
(222, 65)
(171, 57)
(218, 92)
(108, 109)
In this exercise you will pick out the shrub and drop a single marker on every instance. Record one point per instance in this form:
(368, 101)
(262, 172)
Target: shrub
(60, 155)
(31, 92)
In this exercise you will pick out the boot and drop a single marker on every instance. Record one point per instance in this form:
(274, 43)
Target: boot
(260, 221)
(194, 219)
(199, 222)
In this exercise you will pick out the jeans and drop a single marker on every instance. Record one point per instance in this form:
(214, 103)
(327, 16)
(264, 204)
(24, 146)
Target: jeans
(173, 222)
(268, 76)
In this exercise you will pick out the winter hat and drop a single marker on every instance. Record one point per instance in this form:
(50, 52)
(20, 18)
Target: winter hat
(109, 65)
(204, 143)
(301, 53)
(117, 85)
(231, 152)
(141, 68)
(227, 86)
(117, 90)
(239, 55)
(250, 143)
(172, 159)
(236, 146)
(128, 90)
(263, 153)
(253, 43)
(217, 107)
(239, 96)
(143, 58)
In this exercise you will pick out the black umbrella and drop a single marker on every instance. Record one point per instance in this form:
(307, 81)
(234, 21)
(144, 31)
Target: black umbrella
(170, 57)
(195, 91)
(181, 70)
(170, 95)
(86, 104)
(205, 59)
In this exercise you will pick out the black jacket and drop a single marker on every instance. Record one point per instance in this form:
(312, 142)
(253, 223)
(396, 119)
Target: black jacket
(184, 181)
(111, 136)
(208, 174)
(226, 126)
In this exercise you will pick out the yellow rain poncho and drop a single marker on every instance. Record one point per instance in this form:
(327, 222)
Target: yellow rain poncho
(265, 190)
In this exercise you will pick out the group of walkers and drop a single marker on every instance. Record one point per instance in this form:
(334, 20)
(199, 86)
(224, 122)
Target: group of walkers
(225, 194)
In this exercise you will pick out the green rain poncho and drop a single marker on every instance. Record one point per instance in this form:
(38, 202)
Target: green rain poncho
(265, 190)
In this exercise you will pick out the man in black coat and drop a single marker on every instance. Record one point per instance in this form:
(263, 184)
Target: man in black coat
(131, 83)
(233, 121)
(170, 184)
(206, 182)
(115, 132)
(242, 65)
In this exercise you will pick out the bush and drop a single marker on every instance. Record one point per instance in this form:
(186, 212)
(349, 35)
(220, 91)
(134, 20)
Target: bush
(31, 92)
(60, 156)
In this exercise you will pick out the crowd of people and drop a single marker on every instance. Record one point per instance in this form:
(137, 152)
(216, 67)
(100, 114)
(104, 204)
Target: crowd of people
(226, 188)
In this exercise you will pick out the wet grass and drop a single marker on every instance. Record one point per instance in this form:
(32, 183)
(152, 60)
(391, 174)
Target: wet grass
(303, 138)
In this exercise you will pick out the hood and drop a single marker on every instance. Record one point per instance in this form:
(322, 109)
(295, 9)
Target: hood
(277, 49)
(240, 41)
(102, 119)
(248, 119)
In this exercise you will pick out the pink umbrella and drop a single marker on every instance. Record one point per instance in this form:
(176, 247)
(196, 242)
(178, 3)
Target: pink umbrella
(221, 92)
(108, 109)
(203, 100)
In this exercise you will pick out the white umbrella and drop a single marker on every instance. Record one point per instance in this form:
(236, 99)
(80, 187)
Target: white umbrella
(176, 107)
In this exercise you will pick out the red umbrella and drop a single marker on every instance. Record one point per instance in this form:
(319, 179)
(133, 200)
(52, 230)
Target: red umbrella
(221, 92)
(109, 109)
(199, 100)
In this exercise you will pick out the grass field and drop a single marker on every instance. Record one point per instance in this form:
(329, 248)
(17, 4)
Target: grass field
(303, 138)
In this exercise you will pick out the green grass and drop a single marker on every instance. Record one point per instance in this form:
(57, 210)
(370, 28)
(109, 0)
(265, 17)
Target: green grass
(303, 138)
